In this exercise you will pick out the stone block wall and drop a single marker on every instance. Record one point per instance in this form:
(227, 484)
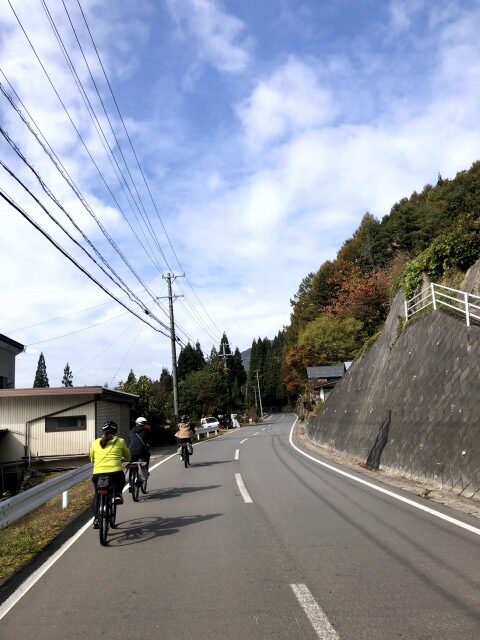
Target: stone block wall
(428, 375)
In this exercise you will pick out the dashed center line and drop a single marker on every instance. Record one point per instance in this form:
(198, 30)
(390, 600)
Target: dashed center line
(237, 454)
(242, 488)
(264, 428)
(256, 434)
(314, 613)
(244, 440)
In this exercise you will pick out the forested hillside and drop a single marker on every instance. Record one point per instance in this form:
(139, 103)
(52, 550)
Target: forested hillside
(338, 309)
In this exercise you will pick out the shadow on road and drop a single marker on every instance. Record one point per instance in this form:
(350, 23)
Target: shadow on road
(143, 529)
(209, 464)
(175, 492)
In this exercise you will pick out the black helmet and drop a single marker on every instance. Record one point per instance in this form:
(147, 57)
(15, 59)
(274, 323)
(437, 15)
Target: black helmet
(184, 418)
(110, 427)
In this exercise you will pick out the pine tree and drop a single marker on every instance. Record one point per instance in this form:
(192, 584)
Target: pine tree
(189, 360)
(41, 378)
(67, 380)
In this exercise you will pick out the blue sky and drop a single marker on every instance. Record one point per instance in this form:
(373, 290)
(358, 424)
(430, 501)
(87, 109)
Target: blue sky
(266, 130)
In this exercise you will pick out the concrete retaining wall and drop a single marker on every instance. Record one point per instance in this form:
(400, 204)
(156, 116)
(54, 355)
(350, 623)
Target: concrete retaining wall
(428, 376)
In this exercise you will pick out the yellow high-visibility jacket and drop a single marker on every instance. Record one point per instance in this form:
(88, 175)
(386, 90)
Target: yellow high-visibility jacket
(109, 459)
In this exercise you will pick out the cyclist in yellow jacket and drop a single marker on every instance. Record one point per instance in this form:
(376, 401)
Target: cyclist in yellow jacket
(107, 453)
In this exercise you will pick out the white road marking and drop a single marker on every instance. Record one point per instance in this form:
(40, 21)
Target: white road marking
(264, 428)
(36, 575)
(366, 483)
(256, 434)
(244, 440)
(317, 617)
(237, 454)
(242, 488)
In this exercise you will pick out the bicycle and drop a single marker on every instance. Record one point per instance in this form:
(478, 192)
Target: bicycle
(185, 454)
(107, 508)
(135, 483)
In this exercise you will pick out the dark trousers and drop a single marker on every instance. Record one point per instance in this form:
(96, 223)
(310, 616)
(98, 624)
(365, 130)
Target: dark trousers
(118, 478)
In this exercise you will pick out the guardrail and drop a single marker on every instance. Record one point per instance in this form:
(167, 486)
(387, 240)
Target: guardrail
(206, 430)
(18, 506)
(438, 297)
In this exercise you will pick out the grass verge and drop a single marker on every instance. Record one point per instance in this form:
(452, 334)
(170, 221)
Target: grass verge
(24, 539)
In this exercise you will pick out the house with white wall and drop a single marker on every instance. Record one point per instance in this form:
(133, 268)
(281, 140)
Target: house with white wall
(56, 423)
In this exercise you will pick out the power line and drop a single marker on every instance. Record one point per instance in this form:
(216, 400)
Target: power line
(116, 279)
(113, 133)
(49, 151)
(27, 217)
(125, 356)
(45, 188)
(70, 118)
(71, 333)
(106, 349)
(67, 315)
(124, 288)
(98, 127)
(103, 138)
(140, 168)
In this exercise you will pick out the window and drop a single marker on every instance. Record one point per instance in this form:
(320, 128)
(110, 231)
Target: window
(3, 382)
(66, 423)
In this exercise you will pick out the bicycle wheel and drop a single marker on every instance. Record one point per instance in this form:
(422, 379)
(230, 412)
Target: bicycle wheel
(144, 486)
(134, 485)
(104, 520)
(113, 512)
(186, 457)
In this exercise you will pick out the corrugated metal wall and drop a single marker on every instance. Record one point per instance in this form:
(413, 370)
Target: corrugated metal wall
(119, 412)
(64, 443)
(16, 412)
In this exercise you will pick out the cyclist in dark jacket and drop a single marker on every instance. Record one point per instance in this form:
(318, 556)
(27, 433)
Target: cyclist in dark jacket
(138, 440)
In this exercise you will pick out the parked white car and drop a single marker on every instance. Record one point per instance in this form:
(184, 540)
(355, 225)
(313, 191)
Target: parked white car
(211, 422)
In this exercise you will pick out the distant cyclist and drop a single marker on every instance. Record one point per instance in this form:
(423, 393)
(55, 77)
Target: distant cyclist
(107, 453)
(138, 441)
(185, 433)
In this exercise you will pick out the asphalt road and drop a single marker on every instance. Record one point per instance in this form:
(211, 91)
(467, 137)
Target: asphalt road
(314, 554)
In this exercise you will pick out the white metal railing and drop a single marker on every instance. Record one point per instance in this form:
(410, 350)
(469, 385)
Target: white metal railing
(439, 297)
(18, 506)
(207, 430)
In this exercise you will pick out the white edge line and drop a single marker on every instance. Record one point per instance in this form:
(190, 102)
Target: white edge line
(412, 503)
(242, 489)
(237, 454)
(244, 440)
(314, 612)
(36, 575)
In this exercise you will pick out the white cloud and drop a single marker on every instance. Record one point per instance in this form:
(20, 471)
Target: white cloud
(219, 35)
(255, 206)
(291, 100)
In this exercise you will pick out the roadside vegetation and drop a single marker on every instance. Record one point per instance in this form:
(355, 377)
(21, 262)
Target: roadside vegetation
(24, 539)
(340, 308)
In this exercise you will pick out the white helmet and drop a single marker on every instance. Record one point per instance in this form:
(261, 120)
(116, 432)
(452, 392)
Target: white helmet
(141, 420)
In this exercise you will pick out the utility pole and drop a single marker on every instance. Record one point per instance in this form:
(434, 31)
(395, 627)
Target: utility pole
(259, 395)
(256, 403)
(225, 355)
(173, 340)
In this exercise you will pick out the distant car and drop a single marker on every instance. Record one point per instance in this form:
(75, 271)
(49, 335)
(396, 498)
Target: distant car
(210, 422)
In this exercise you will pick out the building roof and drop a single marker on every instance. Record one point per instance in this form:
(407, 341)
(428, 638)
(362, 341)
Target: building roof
(326, 372)
(12, 343)
(106, 394)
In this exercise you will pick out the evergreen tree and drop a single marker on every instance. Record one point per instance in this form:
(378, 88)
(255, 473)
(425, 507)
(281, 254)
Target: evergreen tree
(189, 361)
(67, 380)
(200, 356)
(41, 378)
